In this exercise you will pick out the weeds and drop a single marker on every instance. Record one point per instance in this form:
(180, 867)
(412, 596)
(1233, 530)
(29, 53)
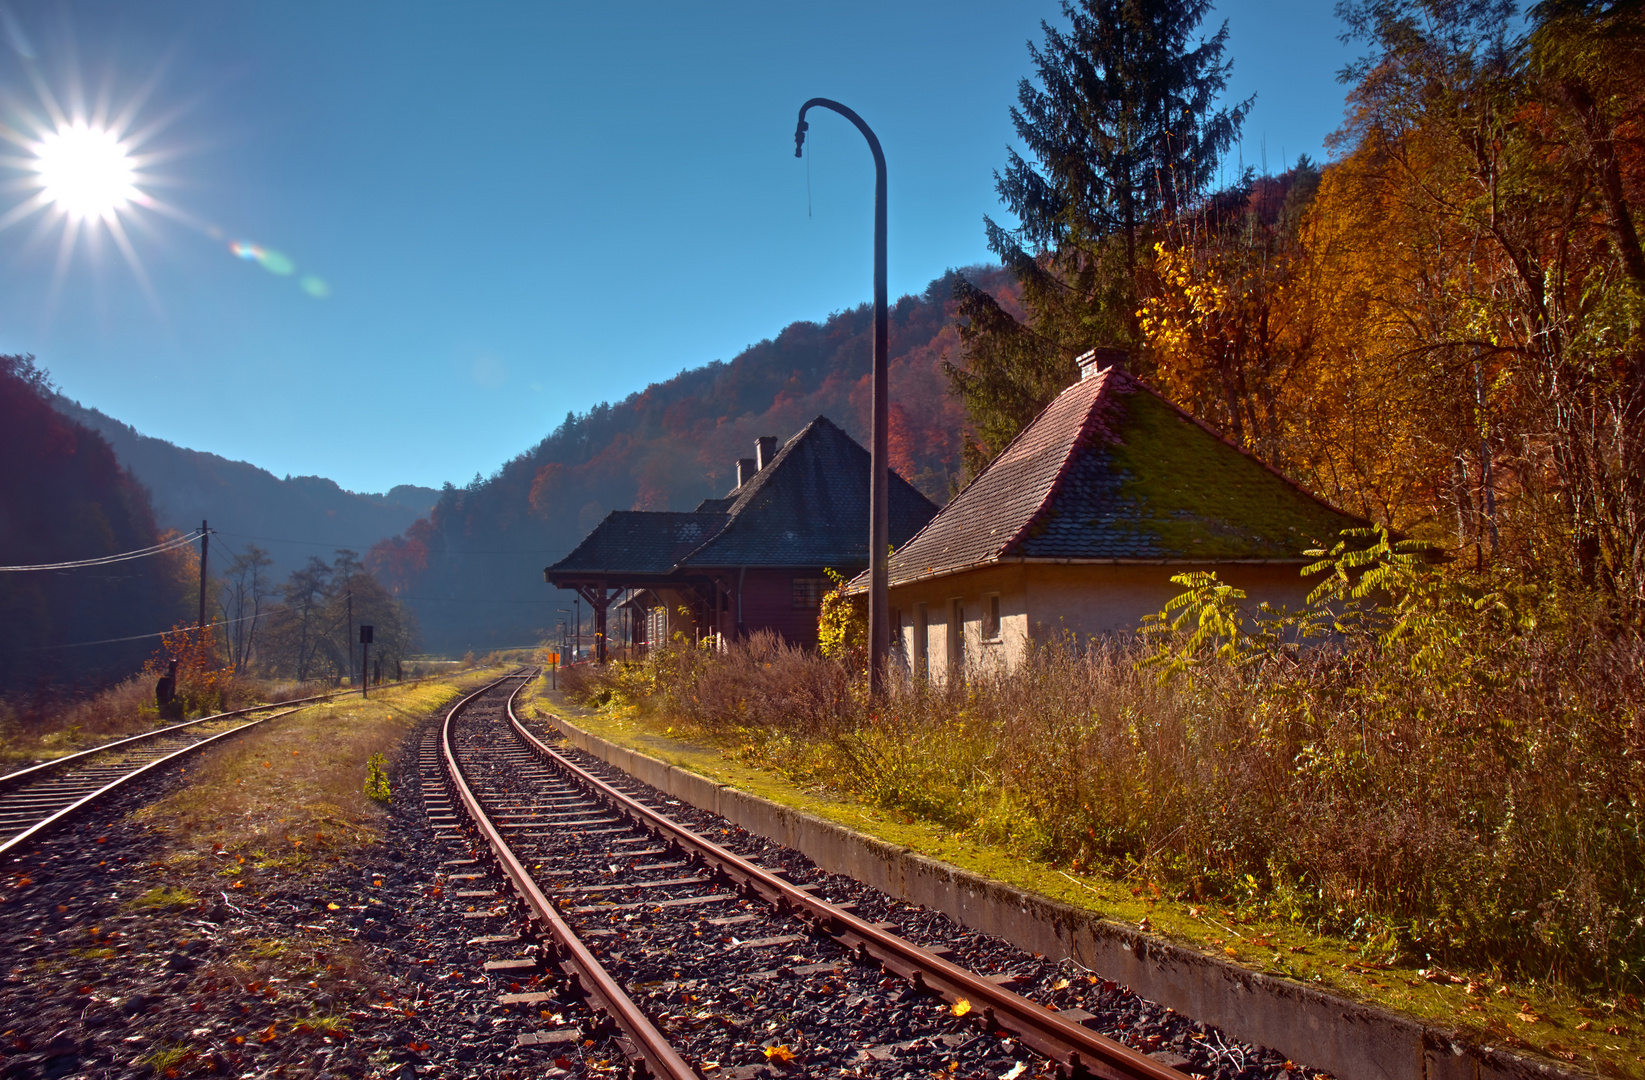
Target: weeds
(1454, 773)
(376, 786)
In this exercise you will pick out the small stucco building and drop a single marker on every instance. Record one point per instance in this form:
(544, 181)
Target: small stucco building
(1078, 525)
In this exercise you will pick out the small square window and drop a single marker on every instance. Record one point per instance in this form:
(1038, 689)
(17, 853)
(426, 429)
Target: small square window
(991, 617)
(808, 592)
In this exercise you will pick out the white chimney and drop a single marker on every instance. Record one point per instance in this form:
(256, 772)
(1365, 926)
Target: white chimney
(1093, 361)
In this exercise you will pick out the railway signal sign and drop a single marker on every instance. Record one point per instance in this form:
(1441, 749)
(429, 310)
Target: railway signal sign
(365, 669)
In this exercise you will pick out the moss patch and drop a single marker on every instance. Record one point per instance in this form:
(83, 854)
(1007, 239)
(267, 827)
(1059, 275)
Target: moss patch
(1201, 497)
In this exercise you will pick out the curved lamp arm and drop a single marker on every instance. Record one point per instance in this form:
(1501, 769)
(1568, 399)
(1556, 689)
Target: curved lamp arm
(879, 501)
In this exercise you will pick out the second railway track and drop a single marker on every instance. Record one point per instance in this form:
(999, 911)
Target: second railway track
(705, 962)
(38, 798)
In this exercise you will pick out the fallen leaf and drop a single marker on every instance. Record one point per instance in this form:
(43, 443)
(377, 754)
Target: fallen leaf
(333, 907)
(268, 1034)
(1060, 984)
(960, 1007)
(1014, 1071)
(1586, 1025)
(1194, 912)
(779, 1053)
(1528, 1017)
(1617, 1029)
(1229, 950)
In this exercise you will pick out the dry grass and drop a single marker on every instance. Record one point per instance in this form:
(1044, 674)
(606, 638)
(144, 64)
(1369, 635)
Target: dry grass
(1481, 807)
(290, 796)
(39, 731)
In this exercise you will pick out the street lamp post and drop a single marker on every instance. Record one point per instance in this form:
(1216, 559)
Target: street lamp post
(879, 491)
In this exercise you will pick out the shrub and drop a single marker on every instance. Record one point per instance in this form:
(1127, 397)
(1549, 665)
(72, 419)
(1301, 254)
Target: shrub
(1452, 768)
(376, 786)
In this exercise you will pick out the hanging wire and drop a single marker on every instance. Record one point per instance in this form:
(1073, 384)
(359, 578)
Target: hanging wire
(175, 542)
(157, 633)
(339, 545)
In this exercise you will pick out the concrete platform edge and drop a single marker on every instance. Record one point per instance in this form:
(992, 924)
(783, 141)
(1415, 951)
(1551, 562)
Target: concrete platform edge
(1348, 1039)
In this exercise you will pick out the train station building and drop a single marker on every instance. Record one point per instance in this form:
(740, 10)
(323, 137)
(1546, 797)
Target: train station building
(752, 560)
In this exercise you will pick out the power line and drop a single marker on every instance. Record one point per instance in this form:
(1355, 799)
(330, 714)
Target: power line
(157, 633)
(366, 547)
(105, 560)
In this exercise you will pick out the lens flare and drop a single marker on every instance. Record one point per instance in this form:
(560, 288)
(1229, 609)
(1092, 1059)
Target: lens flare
(86, 172)
(272, 261)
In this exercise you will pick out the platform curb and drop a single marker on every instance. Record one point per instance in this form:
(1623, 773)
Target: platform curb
(1350, 1040)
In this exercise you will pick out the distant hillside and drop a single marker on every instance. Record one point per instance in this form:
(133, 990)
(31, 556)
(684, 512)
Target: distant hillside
(64, 497)
(291, 518)
(473, 568)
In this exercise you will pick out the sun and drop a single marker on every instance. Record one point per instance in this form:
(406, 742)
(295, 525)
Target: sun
(86, 171)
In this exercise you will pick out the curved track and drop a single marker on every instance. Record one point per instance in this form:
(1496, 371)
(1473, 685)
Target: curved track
(590, 860)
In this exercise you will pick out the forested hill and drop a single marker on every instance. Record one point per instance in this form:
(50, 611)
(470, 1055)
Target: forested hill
(292, 518)
(472, 569)
(64, 497)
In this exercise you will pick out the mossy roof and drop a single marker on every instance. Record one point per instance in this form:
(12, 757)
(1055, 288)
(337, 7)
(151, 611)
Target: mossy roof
(1112, 472)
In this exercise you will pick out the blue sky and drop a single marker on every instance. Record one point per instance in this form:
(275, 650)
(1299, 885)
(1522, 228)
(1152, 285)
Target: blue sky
(513, 210)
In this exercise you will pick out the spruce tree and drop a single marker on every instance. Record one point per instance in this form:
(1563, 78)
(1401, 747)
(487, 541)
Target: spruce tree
(1125, 134)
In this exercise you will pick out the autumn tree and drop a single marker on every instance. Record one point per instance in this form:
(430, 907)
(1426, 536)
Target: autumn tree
(1479, 245)
(1230, 323)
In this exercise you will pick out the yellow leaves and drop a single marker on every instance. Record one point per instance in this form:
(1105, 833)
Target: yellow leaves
(1060, 984)
(960, 1007)
(781, 1054)
(332, 906)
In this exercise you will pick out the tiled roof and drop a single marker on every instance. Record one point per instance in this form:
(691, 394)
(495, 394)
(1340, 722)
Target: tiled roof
(639, 542)
(716, 506)
(1111, 470)
(809, 507)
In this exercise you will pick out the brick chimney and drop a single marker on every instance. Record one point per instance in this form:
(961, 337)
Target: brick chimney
(765, 448)
(1096, 360)
(745, 471)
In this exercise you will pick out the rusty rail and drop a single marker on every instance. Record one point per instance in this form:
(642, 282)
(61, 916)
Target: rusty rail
(652, 1054)
(1077, 1051)
(12, 779)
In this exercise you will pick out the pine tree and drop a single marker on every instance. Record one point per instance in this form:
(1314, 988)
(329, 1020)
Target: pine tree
(1125, 133)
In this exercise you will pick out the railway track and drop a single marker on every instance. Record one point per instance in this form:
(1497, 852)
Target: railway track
(41, 797)
(635, 905)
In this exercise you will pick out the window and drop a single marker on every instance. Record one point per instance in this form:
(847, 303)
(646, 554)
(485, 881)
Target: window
(991, 617)
(922, 638)
(956, 636)
(808, 592)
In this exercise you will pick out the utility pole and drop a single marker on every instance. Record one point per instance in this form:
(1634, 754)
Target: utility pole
(879, 490)
(578, 604)
(200, 628)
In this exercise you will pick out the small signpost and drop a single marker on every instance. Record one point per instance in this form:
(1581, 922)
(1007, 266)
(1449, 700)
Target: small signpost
(554, 671)
(365, 649)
